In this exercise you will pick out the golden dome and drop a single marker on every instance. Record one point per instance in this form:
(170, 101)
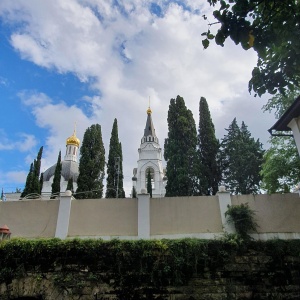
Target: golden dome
(73, 140)
(149, 111)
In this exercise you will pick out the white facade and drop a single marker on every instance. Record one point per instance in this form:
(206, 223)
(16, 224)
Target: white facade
(150, 158)
(47, 186)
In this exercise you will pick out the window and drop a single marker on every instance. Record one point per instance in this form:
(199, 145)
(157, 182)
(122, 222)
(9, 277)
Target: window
(152, 174)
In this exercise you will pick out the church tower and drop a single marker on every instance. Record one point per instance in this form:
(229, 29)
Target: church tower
(72, 146)
(69, 167)
(150, 158)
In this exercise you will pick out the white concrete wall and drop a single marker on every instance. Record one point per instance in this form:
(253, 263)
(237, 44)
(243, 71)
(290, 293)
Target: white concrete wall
(202, 217)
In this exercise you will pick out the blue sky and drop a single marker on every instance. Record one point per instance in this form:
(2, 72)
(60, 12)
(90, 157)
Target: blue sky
(90, 61)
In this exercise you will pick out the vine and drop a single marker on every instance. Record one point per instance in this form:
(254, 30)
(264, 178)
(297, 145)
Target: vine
(133, 269)
(243, 219)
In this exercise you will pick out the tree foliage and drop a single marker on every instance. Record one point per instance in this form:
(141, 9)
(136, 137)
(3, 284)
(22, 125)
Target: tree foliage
(180, 151)
(70, 185)
(241, 160)
(133, 192)
(279, 103)
(272, 29)
(57, 177)
(243, 219)
(281, 167)
(115, 176)
(28, 185)
(208, 147)
(91, 164)
(33, 184)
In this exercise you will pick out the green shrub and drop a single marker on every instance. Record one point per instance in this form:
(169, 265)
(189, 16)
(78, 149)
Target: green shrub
(242, 217)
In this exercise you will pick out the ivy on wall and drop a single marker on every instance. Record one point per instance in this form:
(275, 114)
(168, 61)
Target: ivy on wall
(131, 267)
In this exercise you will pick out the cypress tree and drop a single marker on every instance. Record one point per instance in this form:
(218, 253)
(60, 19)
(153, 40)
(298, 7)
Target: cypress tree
(70, 186)
(180, 151)
(133, 192)
(37, 163)
(33, 184)
(27, 188)
(41, 182)
(91, 164)
(149, 183)
(114, 179)
(56, 179)
(241, 158)
(208, 147)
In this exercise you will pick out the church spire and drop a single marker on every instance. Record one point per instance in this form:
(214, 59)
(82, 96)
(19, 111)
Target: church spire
(149, 132)
(149, 111)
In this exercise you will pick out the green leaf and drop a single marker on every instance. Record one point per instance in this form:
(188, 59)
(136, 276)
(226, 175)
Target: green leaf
(205, 43)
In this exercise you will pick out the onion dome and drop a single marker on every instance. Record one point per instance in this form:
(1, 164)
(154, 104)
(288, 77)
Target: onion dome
(73, 140)
(69, 169)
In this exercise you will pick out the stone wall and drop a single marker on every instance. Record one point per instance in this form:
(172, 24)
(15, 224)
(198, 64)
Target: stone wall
(253, 275)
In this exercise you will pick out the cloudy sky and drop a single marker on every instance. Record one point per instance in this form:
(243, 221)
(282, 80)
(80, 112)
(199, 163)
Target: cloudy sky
(90, 61)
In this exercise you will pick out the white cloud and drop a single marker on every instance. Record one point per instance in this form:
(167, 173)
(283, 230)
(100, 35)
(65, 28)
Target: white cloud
(23, 142)
(16, 176)
(131, 54)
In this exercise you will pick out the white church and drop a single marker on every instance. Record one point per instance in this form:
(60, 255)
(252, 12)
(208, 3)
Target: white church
(150, 158)
(70, 167)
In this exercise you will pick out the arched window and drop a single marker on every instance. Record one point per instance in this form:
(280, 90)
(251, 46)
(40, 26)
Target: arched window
(152, 174)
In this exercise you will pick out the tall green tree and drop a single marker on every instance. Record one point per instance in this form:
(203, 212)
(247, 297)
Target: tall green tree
(149, 183)
(33, 178)
(115, 176)
(281, 167)
(279, 103)
(57, 177)
(70, 186)
(28, 185)
(91, 164)
(208, 147)
(133, 192)
(180, 151)
(41, 182)
(241, 158)
(272, 29)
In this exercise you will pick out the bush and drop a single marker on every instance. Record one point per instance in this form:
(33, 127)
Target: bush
(242, 217)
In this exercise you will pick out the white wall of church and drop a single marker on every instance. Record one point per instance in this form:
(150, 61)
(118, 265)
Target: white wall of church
(47, 186)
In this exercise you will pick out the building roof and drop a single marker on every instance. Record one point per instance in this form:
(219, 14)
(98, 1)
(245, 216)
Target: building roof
(292, 112)
(73, 139)
(70, 169)
(149, 129)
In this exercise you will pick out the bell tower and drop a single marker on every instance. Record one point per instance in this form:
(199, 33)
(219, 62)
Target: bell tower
(72, 146)
(150, 159)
